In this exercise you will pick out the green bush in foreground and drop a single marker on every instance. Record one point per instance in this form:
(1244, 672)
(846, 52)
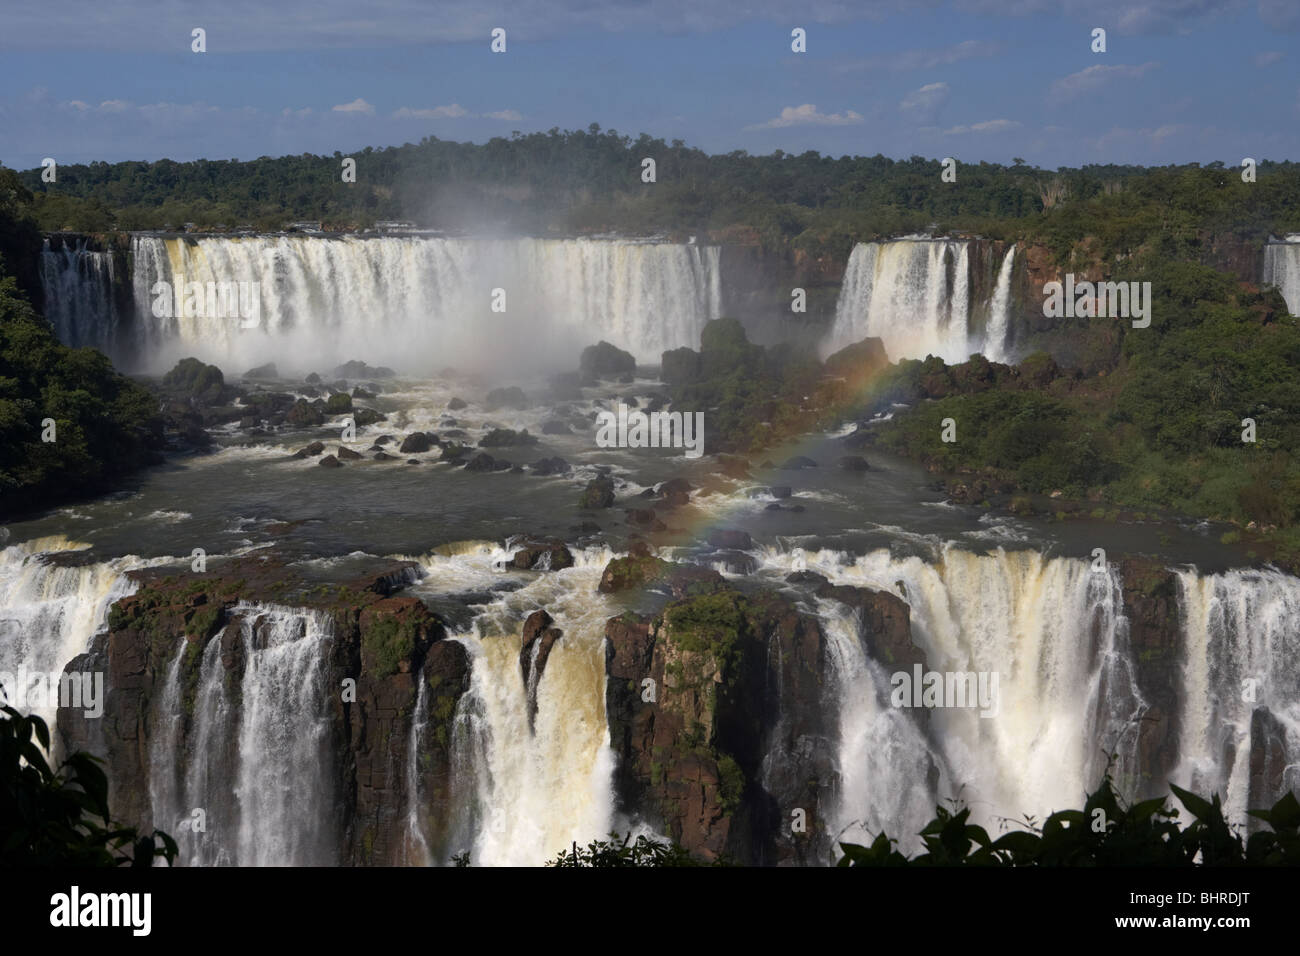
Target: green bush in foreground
(49, 818)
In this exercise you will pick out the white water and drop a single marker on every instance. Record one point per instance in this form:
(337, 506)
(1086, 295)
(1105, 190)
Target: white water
(996, 346)
(48, 613)
(421, 304)
(1053, 631)
(259, 771)
(1282, 269)
(1239, 626)
(522, 794)
(915, 295)
(78, 286)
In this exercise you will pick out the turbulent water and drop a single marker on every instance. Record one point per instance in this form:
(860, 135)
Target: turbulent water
(1282, 269)
(428, 302)
(916, 295)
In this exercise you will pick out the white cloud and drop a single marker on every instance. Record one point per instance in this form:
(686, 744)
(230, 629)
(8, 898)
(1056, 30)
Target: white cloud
(922, 105)
(1268, 58)
(113, 106)
(507, 115)
(988, 126)
(1095, 77)
(807, 115)
(451, 112)
(356, 106)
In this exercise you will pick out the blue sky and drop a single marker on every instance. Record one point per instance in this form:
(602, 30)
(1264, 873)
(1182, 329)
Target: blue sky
(1181, 80)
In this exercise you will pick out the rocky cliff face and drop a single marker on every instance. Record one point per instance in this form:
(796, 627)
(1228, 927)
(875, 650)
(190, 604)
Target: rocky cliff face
(722, 721)
(381, 648)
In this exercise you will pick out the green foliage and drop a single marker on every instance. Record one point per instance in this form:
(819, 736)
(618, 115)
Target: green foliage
(386, 642)
(616, 851)
(61, 818)
(1106, 832)
(105, 425)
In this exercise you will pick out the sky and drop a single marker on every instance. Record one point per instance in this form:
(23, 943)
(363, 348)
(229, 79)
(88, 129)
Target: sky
(1179, 81)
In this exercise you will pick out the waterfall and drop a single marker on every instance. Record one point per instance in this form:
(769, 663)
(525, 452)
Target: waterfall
(79, 302)
(996, 344)
(1282, 269)
(521, 794)
(1241, 656)
(259, 766)
(52, 603)
(1053, 631)
(416, 846)
(417, 304)
(916, 294)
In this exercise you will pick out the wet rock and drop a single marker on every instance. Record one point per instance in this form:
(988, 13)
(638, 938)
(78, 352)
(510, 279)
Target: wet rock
(506, 437)
(736, 562)
(554, 426)
(550, 466)
(312, 378)
(346, 454)
(550, 555)
(456, 404)
(415, 443)
(798, 462)
(329, 461)
(367, 416)
(604, 360)
(357, 369)
(512, 397)
(381, 456)
(304, 415)
(854, 463)
(599, 493)
(310, 451)
(262, 373)
(780, 491)
(340, 403)
(730, 540)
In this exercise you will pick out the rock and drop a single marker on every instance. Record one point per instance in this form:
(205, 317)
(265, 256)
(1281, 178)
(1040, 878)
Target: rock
(730, 540)
(859, 438)
(204, 384)
(641, 571)
(304, 415)
(380, 456)
(312, 378)
(599, 493)
(733, 466)
(310, 451)
(385, 440)
(773, 507)
(453, 452)
(415, 443)
(780, 491)
(604, 360)
(854, 463)
(548, 555)
(550, 466)
(511, 397)
(357, 369)
(485, 463)
(679, 367)
(347, 454)
(329, 461)
(456, 404)
(360, 392)
(340, 403)
(535, 649)
(555, 427)
(679, 487)
(859, 363)
(736, 562)
(367, 416)
(263, 373)
(798, 462)
(506, 437)
(413, 461)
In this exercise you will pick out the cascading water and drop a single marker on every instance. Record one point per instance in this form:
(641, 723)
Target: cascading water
(260, 767)
(996, 345)
(79, 302)
(521, 793)
(432, 301)
(1051, 629)
(916, 295)
(1242, 656)
(51, 605)
(1282, 269)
